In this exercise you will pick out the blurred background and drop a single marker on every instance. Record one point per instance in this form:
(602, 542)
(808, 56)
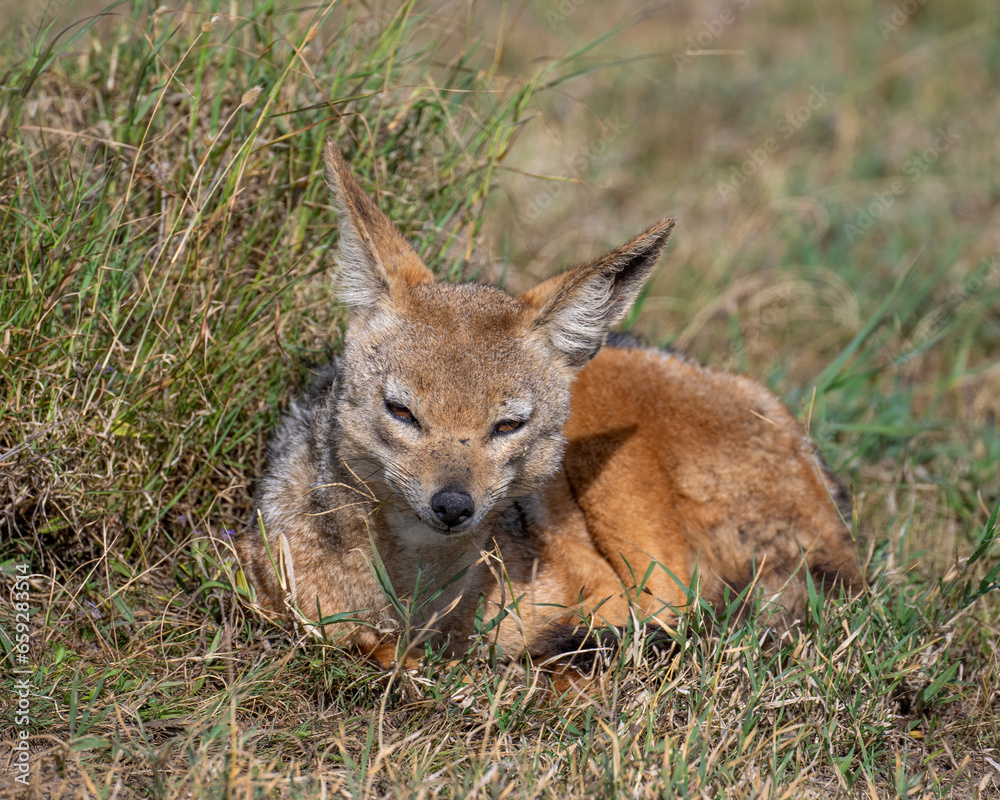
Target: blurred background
(814, 155)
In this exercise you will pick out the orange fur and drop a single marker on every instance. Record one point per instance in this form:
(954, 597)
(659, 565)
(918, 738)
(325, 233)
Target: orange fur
(440, 451)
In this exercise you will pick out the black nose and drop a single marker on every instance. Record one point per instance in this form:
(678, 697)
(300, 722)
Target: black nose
(452, 506)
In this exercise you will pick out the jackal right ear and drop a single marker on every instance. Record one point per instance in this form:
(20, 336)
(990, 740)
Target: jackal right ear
(575, 310)
(376, 261)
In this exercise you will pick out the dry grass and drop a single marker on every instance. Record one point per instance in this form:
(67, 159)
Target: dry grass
(165, 233)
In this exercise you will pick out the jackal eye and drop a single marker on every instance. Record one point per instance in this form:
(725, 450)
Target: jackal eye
(401, 412)
(507, 426)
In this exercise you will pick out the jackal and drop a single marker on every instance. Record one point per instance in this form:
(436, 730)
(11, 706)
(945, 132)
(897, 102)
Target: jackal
(476, 462)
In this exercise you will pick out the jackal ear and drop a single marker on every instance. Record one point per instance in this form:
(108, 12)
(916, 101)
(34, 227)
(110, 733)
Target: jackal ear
(376, 261)
(575, 310)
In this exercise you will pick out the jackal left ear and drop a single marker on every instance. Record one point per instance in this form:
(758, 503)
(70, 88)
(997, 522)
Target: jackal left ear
(575, 310)
(376, 261)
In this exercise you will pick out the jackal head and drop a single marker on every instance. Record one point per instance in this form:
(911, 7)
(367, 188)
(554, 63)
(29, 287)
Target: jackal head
(453, 397)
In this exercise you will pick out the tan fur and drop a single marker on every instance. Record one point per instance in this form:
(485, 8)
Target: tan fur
(443, 437)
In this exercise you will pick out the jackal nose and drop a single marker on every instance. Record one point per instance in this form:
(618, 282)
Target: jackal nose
(452, 506)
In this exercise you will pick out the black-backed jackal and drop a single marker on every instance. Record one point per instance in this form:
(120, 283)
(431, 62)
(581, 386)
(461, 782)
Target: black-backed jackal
(502, 451)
